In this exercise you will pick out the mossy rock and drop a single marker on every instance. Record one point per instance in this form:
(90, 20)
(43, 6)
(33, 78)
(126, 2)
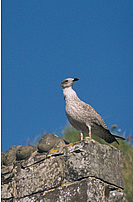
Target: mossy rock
(2, 157)
(10, 155)
(24, 152)
(48, 141)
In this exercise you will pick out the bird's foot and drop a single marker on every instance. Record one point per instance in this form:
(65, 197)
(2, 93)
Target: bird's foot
(87, 138)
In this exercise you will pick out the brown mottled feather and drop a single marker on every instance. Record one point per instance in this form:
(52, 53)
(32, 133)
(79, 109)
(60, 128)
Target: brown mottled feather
(82, 116)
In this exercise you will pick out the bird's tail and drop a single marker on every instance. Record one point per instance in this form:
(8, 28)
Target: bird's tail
(119, 137)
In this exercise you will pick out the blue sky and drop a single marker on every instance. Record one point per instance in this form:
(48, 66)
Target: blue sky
(44, 42)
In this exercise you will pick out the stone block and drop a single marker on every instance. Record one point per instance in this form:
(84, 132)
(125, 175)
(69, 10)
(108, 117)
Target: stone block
(45, 175)
(89, 158)
(83, 171)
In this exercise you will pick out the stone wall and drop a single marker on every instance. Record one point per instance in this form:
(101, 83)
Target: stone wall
(83, 171)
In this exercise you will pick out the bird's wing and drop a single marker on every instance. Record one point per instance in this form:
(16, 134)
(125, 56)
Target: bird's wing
(96, 118)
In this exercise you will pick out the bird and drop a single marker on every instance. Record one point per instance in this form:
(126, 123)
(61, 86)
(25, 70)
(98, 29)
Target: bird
(84, 117)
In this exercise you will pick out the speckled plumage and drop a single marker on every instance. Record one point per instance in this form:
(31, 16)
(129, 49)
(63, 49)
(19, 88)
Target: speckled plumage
(82, 116)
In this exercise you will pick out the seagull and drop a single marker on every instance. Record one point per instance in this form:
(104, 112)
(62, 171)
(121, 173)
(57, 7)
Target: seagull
(82, 116)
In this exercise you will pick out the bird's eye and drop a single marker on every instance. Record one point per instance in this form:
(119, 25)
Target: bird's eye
(66, 81)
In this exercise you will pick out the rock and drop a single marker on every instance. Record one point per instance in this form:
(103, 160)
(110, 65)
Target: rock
(34, 159)
(89, 158)
(2, 156)
(24, 152)
(6, 169)
(10, 155)
(44, 175)
(48, 141)
(83, 171)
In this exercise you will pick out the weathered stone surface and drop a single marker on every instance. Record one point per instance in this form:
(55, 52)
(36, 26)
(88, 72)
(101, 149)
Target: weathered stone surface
(5, 192)
(71, 192)
(7, 169)
(56, 151)
(89, 158)
(116, 196)
(2, 156)
(8, 200)
(48, 141)
(83, 171)
(39, 177)
(86, 190)
(98, 190)
(35, 158)
(10, 155)
(7, 178)
(24, 152)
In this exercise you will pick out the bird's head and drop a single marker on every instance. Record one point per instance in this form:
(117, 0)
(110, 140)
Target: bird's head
(66, 83)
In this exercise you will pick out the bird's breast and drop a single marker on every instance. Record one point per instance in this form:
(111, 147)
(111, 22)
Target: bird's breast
(75, 116)
(72, 110)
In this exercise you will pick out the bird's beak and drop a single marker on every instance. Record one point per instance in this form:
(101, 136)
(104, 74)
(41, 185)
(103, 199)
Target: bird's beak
(75, 79)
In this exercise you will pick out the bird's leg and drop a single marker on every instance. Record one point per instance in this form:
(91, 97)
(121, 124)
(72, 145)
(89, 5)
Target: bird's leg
(89, 131)
(81, 134)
